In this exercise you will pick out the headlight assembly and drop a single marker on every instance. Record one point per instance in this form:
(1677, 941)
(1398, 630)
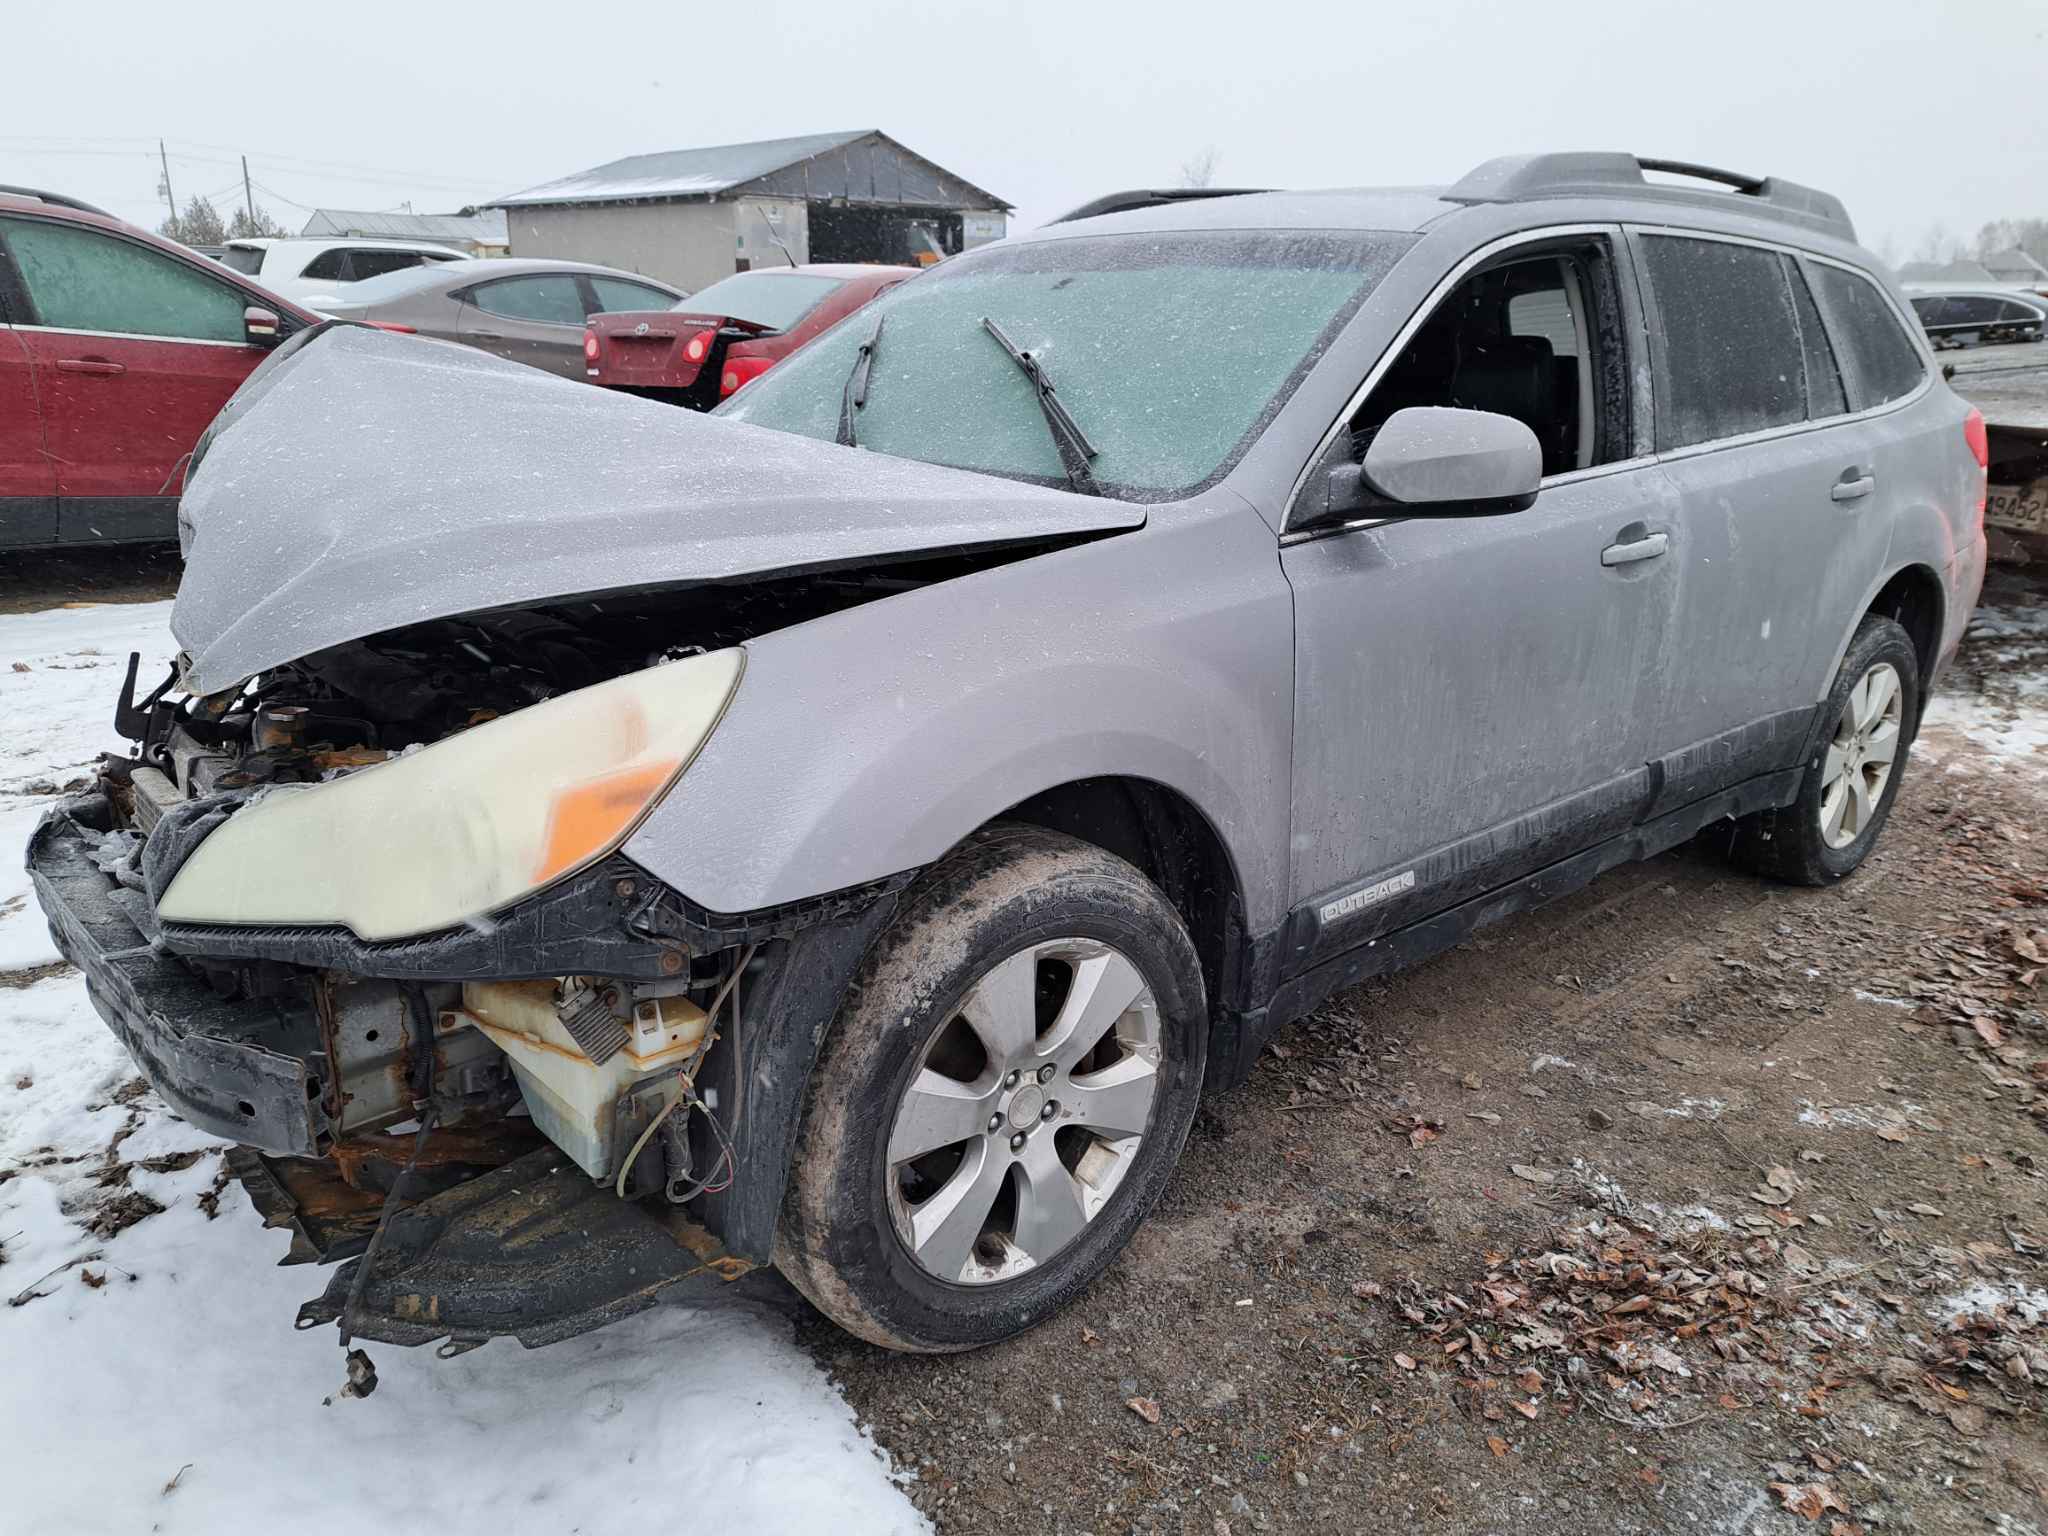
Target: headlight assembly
(467, 825)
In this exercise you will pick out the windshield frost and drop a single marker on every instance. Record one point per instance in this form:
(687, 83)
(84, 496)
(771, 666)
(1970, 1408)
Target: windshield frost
(1169, 351)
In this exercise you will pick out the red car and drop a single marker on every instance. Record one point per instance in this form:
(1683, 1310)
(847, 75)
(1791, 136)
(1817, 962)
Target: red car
(117, 347)
(715, 341)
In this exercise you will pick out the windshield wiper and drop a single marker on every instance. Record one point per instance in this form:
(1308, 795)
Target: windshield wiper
(855, 396)
(1067, 436)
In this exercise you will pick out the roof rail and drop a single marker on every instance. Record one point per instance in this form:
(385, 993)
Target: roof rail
(1513, 178)
(54, 199)
(1150, 197)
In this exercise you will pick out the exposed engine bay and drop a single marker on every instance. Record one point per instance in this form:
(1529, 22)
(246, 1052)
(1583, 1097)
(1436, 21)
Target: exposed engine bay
(454, 1075)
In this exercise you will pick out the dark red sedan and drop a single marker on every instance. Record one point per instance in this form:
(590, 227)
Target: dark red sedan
(117, 348)
(711, 344)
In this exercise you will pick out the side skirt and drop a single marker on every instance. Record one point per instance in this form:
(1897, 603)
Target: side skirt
(1419, 941)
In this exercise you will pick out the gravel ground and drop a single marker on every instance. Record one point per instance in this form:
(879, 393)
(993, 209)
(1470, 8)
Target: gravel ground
(1653, 1210)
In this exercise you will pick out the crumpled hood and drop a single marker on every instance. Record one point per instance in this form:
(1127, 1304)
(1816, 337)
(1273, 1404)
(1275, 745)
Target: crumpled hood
(361, 481)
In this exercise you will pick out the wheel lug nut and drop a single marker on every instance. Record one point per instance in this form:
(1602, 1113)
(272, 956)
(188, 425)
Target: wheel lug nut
(1012, 1080)
(1045, 1073)
(995, 1123)
(1052, 1107)
(1017, 1142)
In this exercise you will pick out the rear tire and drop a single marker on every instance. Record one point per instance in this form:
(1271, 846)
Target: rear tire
(1846, 795)
(1002, 1098)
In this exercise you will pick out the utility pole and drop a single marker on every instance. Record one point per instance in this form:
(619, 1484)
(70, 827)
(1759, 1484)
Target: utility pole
(165, 161)
(248, 197)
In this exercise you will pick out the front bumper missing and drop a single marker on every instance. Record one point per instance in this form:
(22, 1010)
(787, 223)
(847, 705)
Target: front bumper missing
(533, 1251)
(217, 1063)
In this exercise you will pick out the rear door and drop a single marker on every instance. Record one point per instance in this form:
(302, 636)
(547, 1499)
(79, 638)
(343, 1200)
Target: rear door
(28, 481)
(134, 351)
(536, 318)
(1778, 534)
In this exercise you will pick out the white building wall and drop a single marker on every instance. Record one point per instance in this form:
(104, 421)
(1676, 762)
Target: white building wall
(688, 245)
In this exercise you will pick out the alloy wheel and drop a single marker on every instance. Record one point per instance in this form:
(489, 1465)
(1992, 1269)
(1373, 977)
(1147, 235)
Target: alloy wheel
(1026, 1110)
(1862, 755)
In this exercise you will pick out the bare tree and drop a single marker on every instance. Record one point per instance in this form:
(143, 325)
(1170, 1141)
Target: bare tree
(199, 224)
(246, 224)
(1200, 171)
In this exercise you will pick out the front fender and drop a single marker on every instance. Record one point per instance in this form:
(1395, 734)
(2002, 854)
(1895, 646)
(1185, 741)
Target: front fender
(872, 740)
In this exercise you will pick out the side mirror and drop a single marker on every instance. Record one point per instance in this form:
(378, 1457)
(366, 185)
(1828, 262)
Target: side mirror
(1435, 461)
(260, 326)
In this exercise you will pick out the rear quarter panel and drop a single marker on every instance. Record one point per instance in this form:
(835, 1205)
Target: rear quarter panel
(871, 741)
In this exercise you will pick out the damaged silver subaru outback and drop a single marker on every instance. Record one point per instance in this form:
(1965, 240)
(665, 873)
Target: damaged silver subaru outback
(587, 852)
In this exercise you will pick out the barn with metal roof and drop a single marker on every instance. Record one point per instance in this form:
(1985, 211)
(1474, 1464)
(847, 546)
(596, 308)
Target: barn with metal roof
(692, 216)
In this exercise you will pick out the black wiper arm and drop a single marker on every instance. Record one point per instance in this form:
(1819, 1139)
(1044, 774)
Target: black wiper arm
(1072, 442)
(855, 396)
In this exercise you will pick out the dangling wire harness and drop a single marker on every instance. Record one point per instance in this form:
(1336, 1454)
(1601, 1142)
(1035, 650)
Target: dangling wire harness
(721, 1175)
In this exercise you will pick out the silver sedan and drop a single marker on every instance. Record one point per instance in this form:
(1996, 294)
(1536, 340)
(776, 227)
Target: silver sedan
(530, 311)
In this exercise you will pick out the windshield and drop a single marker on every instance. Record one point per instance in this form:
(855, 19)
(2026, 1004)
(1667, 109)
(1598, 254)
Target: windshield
(243, 258)
(1169, 351)
(776, 300)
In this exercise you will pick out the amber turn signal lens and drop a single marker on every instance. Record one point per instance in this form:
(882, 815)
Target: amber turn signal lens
(592, 816)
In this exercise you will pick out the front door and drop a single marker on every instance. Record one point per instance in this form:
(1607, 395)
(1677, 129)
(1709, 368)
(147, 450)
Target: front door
(1474, 695)
(134, 353)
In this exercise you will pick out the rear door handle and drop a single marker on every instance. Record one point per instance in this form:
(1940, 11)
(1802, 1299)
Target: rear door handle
(1853, 487)
(97, 367)
(486, 336)
(1638, 549)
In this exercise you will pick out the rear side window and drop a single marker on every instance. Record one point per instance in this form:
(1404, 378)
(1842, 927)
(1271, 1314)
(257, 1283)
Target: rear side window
(375, 263)
(616, 293)
(243, 259)
(1824, 394)
(1879, 360)
(327, 267)
(81, 280)
(1727, 354)
(553, 299)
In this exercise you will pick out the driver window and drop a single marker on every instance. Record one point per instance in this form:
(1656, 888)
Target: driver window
(1521, 338)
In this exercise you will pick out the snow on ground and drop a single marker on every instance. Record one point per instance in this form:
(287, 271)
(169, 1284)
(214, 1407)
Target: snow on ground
(175, 1396)
(2000, 701)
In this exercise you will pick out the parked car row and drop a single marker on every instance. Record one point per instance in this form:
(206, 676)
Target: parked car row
(117, 347)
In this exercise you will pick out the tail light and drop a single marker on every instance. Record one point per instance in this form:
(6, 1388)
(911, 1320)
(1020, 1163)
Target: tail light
(590, 346)
(698, 347)
(1980, 450)
(741, 371)
(393, 325)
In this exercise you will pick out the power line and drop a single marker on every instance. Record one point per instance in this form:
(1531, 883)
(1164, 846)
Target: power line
(71, 144)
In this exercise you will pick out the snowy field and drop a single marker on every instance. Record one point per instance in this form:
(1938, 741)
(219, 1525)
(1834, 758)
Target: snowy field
(153, 1381)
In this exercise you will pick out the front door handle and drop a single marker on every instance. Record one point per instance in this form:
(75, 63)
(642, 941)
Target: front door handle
(97, 367)
(1647, 548)
(485, 336)
(1853, 487)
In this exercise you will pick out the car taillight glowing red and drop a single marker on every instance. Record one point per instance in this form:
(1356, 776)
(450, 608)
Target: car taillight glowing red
(393, 325)
(590, 346)
(741, 371)
(1978, 439)
(698, 347)
(1980, 450)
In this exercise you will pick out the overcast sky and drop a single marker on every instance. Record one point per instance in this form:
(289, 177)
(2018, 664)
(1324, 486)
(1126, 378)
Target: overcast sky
(1918, 114)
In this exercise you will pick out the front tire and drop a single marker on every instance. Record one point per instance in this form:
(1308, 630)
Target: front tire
(1846, 795)
(1002, 1098)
